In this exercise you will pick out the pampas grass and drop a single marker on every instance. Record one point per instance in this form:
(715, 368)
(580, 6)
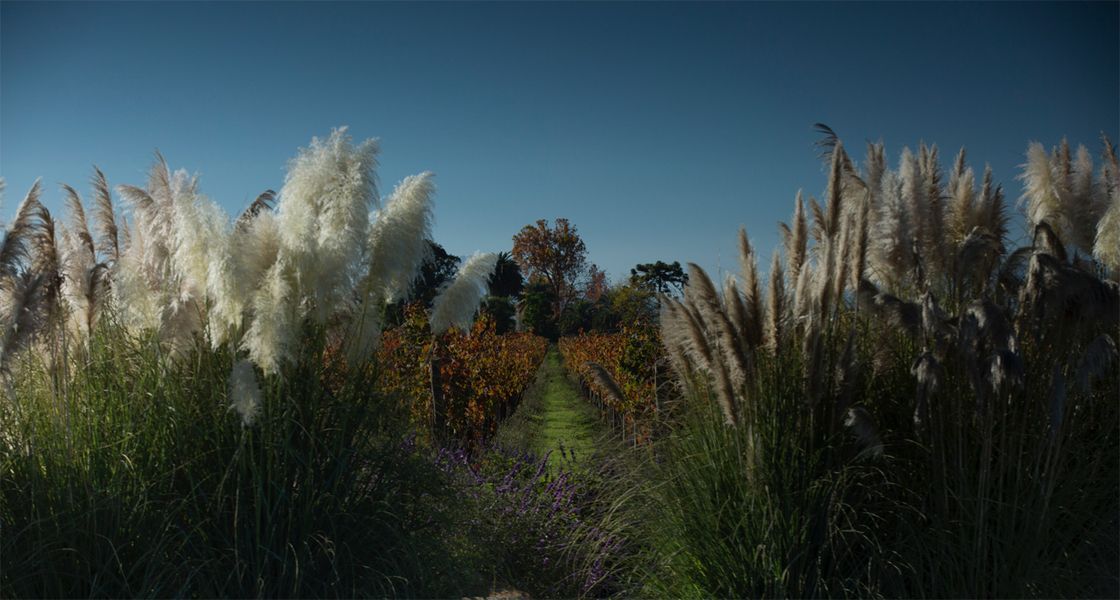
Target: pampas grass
(324, 217)
(752, 294)
(398, 238)
(180, 418)
(776, 305)
(458, 302)
(891, 255)
(991, 372)
(1106, 243)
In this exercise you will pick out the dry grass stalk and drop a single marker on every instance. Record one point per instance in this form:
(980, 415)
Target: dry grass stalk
(776, 305)
(799, 239)
(703, 293)
(604, 382)
(105, 219)
(752, 294)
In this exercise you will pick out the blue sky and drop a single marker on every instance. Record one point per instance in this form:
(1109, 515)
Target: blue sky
(657, 129)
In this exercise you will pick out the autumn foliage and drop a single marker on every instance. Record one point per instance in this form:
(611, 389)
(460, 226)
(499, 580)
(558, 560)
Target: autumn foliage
(482, 374)
(630, 357)
(553, 255)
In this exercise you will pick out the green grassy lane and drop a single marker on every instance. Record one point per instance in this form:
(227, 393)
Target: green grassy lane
(553, 415)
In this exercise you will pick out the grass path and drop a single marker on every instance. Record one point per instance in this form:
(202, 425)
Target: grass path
(553, 415)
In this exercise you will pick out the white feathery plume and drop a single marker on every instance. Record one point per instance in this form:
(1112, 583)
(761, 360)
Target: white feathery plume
(1106, 246)
(990, 210)
(78, 282)
(200, 229)
(227, 306)
(105, 218)
(398, 238)
(458, 302)
(200, 256)
(253, 249)
(244, 392)
(81, 280)
(736, 309)
(183, 283)
(933, 215)
(892, 234)
(913, 190)
(138, 306)
(17, 235)
(962, 205)
(272, 332)
(145, 287)
(803, 301)
(702, 293)
(1040, 192)
(697, 347)
(21, 315)
(675, 338)
(1082, 208)
(842, 260)
(324, 211)
(857, 257)
(957, 173)
(1108, 178)
(876, 165)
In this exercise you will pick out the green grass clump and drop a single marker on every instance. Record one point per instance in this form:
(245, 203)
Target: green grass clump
(790, 502)
(129, 475)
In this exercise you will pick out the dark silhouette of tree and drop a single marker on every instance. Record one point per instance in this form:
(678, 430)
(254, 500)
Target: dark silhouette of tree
(536, 310)
(439, 268)
(506, 281)
(502, 311)
(660, 276)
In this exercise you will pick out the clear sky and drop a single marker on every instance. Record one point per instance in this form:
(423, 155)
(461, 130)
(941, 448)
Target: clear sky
(657, 129)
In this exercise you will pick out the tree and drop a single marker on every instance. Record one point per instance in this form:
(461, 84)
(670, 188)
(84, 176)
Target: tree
(500, 309)
(506, 281)
(597, 283)
(439, 268)
(660, 276)
(630, 304)
(554, 256)
(536, 310)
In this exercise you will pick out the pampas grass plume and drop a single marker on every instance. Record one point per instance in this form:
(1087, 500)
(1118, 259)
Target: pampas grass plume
(272, 333)
(457, 303)
(398, 238)
(324, 210)
(1106, 245)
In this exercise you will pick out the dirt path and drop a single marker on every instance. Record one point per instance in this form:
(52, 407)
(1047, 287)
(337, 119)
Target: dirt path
(554, 418)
